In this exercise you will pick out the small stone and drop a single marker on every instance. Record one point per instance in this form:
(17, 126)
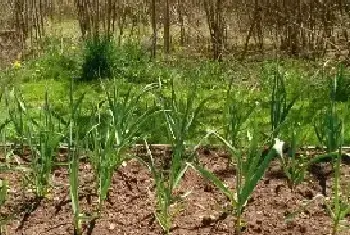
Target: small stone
(111, 226)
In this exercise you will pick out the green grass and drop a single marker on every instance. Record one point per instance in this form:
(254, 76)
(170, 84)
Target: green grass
(252, 82)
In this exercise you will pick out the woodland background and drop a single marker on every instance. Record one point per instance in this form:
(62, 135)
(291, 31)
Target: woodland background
(219, 29)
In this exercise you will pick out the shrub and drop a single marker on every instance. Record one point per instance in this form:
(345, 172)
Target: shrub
(98, 61)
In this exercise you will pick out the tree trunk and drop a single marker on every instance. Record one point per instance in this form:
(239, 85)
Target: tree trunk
(253, 24)
(109, 18)
(153, 23)
(166, 28)
(181, 22)
(97, 19)
(213, 11)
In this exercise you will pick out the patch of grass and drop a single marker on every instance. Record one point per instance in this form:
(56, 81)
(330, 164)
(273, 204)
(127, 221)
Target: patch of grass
(131, 66)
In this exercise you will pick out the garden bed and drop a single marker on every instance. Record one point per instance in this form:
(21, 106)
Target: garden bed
(129, 208)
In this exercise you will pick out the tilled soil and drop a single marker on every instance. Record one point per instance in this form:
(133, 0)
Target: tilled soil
(129, 208)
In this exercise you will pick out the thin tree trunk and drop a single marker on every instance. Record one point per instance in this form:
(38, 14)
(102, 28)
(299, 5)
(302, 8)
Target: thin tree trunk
(30, 28)
(181, 22)
(109, 18)
(166, 28)
(25, 12)
(153, 23)
(214, 18)
(42, 15)
(219, 31)
(79, 4)
(104, 16)
(253, 23)
(89, 17)
(97, 19)
(17, 13)
(121, 24)
(37, 24)
(113, 18)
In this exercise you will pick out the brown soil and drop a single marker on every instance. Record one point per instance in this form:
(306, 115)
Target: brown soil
(129, 209)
